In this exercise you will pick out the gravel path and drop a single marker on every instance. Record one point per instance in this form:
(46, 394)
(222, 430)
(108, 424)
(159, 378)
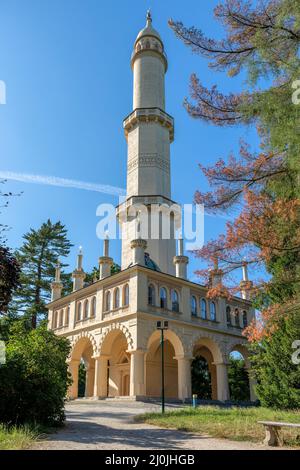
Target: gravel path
(110, 425)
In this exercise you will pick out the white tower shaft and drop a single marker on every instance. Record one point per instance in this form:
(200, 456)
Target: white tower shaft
(149, 131)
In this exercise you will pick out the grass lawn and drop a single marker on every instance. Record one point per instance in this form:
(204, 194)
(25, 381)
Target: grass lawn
(16, 438)
(238, 424)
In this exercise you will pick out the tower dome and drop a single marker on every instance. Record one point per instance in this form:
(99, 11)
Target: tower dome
(148, 30)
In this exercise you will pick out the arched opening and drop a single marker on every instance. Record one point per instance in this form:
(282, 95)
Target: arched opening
(175, 300)
(126, 295)
(172, 348)
(55, 319)
(107, 301)
(153, 370)
(117, 298)
(238, 377)
(81, 379)
(228, 315)
(93, 307)
(79, 311)
(236, 317)
(86, 309)
(82, 367)
(203, 309)
(204, 377)
(117, 364)
(163, 298)
(207, 355)
(67, 316)
(213, 311)
(193, 306)
(151, 294)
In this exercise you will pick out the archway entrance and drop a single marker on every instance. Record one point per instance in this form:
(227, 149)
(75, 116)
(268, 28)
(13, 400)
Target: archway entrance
(238, 377)
(82, 367)
(204, 379)
(173, 351)
(153, 370)
(114, 348)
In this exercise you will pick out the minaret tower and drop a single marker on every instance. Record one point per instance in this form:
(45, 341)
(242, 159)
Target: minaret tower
(149, 130)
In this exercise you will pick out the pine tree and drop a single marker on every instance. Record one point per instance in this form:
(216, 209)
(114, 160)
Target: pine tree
(37, 257)
(9, 277)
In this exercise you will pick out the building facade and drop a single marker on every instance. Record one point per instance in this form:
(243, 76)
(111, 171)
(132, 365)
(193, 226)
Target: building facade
(112, 323)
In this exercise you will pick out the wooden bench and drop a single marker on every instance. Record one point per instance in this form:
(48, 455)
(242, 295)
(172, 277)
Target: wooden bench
(272, 429)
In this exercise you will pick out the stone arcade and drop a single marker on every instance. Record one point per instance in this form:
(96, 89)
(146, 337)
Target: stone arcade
(111, 323)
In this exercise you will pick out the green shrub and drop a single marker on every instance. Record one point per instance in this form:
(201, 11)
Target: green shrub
(35, 378)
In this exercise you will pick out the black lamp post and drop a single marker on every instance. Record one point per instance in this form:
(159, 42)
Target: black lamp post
(162, 325)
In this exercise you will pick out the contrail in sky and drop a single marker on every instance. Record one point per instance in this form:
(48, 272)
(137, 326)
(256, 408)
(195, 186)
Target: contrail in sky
(76, 184)
(62, 182)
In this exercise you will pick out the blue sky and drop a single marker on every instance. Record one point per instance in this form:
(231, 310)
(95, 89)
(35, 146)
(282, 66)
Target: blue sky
(66, 66)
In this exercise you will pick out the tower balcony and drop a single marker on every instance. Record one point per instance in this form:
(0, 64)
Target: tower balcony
(140, 115)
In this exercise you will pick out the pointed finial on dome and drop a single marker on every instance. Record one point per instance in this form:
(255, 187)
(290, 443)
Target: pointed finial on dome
(149, 17)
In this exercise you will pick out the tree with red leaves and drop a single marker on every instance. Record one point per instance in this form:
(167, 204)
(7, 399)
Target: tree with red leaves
(263, 39)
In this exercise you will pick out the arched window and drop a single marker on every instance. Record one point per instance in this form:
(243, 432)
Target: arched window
(193, 306)
(151, 294)
(67, 316)
(79, 311)
(228, 315)
(175, 301)
(163, 298)
(203, 309)
(93, 312)
(213, 314)
(107, 301)
(117, 298)
(55, 318)
(147, 44)
(86, 309)
(126, 295)
(61, 318)
(236, 317)
(245, 319)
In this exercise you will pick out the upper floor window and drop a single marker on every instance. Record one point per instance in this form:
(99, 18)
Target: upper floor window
(193, 306)
(228, 315)
(55, 319)
(245, 319)
(86, 309)
(117, 298)
(175, 301)
(203, 309)
(213, 312)
(126, 294)
(237, 317)
(79, 311)
(61, 318)
(107, 301)
(67, 316)
(93, 312)
(151, 295)
(163, 298)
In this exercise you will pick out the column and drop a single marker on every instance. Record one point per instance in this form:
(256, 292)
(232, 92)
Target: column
(137, 376)
(222, 381)
(100, 381)
(73, 389)
(184, 377)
